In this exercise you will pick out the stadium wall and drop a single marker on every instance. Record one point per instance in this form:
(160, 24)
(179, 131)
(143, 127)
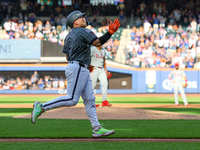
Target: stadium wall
(20, 49)
(141, 80)
(30, 51)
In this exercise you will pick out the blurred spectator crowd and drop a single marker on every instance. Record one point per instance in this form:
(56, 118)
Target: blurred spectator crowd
(54, 34)
(36, 30)
(157, 47)
(166, 32)
(34, 82)
(179, 12)
(29, 10)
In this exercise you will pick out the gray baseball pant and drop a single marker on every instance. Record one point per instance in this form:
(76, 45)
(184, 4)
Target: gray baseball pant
(79, 84)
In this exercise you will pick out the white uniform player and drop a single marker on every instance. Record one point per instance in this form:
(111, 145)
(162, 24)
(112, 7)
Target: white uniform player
(177, 76)
(99, 72)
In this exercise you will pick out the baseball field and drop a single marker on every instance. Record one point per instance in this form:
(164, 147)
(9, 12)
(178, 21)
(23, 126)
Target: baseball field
(140, 121)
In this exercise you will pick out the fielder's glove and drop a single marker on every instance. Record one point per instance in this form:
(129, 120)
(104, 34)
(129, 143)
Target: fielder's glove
(184, 85)
(91, 68)
(109, 75)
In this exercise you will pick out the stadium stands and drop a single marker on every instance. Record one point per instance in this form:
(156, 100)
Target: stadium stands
(157, 39)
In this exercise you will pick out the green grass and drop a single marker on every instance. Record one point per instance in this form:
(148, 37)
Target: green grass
(100, 146)
(24, 99)
(9, 112)
(192, 111)
(114, 100)
(16, 110)
(66, 128)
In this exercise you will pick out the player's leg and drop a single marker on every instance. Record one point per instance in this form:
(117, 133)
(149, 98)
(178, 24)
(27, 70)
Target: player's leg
(176, 94)
(104, 83)
(89, 102)
(93, 76)
(74, 88)
(76, 81)
(183, 95)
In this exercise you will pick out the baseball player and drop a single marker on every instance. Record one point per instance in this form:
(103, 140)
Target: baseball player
(99, 72)
(176, 77)
(77, 50)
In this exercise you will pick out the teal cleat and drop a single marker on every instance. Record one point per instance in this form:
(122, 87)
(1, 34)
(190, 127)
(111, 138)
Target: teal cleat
(37, 111)
(102, 132)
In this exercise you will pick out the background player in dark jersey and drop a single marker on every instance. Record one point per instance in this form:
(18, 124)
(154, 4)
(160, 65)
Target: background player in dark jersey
(77, 50)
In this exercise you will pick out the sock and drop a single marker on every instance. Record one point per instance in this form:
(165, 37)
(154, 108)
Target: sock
(97, 128)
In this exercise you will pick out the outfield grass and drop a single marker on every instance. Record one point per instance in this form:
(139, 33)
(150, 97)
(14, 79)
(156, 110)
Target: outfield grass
(114, 100)
(192, 111)
(66, 128)
(101, 146)
(9, 112)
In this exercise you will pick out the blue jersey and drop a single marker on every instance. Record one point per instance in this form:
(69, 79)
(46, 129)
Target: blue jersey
(77, 45)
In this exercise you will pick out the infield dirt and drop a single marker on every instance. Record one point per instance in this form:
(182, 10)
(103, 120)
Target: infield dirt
(117, 111)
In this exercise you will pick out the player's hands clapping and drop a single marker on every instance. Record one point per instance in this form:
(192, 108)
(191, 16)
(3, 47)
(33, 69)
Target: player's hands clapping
(114, 26)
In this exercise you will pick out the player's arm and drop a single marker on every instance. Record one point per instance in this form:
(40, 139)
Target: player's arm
(66, 57)
(91, 67)
(104, 64)
(96, 43)
(92, 51)
(112, 29)
(184, 77)
(170, 77)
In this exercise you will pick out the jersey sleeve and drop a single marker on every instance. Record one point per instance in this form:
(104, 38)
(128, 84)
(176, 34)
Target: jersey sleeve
(88, 35)
(64, 49)
(92, 49)
(65, 46)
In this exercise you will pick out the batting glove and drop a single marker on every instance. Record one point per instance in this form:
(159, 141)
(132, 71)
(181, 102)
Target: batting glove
(113, 27)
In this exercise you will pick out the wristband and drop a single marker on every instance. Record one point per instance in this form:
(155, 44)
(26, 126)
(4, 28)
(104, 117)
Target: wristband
(104, 38)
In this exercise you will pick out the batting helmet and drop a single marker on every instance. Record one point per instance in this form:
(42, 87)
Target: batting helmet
(74, 16)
